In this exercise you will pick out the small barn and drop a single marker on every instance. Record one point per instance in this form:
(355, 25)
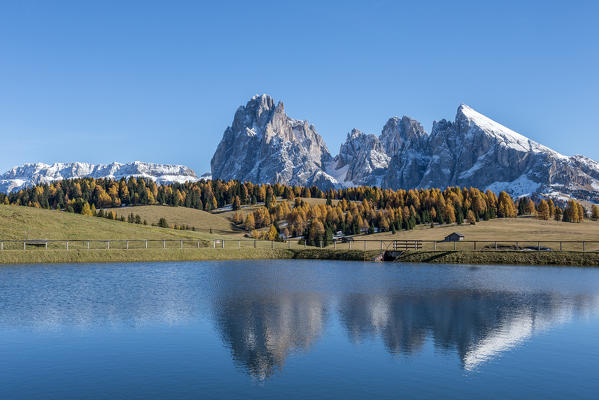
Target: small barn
(454, 237)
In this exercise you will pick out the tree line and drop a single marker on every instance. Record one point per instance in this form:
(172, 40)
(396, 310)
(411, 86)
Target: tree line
(350, 210)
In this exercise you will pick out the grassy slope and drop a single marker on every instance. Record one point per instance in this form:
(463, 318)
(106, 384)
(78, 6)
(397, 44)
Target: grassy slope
(15, 221)
(149, 255)
(201, 220)
(172, 254)
(18, 221)
(503, 229)
(137, 255)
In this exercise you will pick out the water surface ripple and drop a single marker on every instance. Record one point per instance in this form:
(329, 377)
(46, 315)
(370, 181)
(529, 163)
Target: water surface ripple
(297, 329)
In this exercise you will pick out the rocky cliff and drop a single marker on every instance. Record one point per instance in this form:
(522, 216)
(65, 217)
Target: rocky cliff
(265, 145)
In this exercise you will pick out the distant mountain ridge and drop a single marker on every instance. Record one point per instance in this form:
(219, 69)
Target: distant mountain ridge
(264, 145)
(31, 174)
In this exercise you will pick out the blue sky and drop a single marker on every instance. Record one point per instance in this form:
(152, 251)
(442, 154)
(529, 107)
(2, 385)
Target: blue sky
(160, 81)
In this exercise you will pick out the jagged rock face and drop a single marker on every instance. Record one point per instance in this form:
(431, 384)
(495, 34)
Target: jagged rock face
(365, 158)
(32, 174)
(476, 151)
(264, 145)
(399, 133)
(406, 143)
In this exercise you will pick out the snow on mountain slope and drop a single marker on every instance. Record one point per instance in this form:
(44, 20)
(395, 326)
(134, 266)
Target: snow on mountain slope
(31, 174)
(504, 135)
(473, 150)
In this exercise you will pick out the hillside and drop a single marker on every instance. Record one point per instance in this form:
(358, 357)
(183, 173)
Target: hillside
(527, 231)
(522, 228)
(201, 220)
(17, 222)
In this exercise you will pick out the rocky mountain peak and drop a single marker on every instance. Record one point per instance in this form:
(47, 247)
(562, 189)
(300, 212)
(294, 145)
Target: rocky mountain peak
(265, 145)
(398, 132)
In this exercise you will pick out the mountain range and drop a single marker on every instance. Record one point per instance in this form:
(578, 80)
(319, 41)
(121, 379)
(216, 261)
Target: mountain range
(35, 173)
(265, 145)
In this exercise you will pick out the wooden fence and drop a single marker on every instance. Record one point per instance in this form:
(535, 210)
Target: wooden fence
(351, 244)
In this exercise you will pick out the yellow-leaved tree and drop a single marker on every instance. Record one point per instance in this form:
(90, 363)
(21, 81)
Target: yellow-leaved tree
(272, 233)
(86, 210)
(543, 210)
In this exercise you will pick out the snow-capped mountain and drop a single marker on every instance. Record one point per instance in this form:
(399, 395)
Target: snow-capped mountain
(31, 174)
(265, 145)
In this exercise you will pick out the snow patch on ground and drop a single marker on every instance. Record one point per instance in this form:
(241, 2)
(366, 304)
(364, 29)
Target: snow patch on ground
(522, 186)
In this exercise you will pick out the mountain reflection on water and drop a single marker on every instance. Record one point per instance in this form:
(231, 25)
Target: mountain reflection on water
(264, 311)
(477, 325)
(267, 319)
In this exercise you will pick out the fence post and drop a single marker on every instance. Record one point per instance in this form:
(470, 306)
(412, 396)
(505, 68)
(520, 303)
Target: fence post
(239, 244)
(46, 245)
(164, 244)
(381, 245)
(495, 245)
(349, 244)
(108, 244)
(181, 245)
(127, 244)
(67, 244)
(435, 245)
(321, 244)
(24, 245)
(1, 245)
(222, 243)
(335, 245)
(146, 244)
(88, 244)
(517, 247)
(198, 244)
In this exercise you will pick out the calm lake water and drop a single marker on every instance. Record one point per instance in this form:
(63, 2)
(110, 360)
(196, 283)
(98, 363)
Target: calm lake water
(297, 329)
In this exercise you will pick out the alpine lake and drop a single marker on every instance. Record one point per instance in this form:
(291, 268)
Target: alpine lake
(298, 330)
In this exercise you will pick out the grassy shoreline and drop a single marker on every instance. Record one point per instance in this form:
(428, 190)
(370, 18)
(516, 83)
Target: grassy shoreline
(565, 258)
(557, 258)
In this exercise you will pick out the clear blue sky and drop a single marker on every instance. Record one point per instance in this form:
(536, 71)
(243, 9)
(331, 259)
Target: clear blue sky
(160, 81)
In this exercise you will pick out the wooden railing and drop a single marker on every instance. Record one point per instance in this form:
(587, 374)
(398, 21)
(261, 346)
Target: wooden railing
(353, 244)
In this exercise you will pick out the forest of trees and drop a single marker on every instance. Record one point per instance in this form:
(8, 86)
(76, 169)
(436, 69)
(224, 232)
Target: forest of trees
(358, 209)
